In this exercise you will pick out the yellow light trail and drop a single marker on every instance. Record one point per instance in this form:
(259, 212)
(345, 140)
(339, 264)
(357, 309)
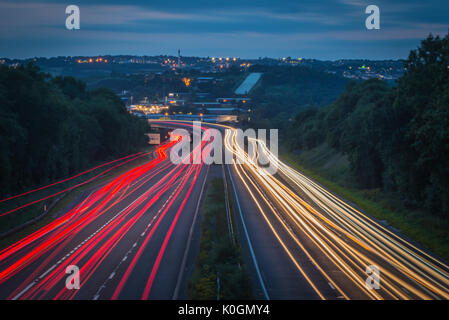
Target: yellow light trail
(334, 235)
(346, 237)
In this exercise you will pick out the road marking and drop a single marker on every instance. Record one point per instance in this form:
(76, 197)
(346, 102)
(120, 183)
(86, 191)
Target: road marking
(228, 213)
(97, 295)
(67, 255)
(46, 272)
(184, 258)
(248, 239)
(24, 290)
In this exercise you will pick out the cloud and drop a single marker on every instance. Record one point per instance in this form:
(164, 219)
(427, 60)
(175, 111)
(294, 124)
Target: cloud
(244, 26)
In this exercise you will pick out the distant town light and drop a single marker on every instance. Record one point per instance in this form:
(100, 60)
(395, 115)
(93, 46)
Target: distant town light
(186, 81)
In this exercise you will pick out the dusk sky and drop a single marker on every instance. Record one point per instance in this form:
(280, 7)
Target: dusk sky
(330, 29)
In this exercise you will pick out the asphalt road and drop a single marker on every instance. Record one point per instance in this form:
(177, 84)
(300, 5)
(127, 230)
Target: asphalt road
(136, 237)
(303, 242)
(128, 239)
(311, 244)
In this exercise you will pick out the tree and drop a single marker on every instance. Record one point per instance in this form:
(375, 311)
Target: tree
(54, 127)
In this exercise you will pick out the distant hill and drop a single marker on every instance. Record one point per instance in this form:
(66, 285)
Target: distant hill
(284, 91)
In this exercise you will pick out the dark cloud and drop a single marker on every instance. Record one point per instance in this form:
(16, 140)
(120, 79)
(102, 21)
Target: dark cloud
(320, 29)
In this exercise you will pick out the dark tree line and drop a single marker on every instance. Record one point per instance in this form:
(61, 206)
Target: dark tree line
(51, 127)
(396, 138)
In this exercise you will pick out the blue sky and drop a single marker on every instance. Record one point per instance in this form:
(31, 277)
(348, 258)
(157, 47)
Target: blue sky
(331, 29)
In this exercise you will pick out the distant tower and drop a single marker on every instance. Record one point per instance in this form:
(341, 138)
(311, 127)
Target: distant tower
(179, 58)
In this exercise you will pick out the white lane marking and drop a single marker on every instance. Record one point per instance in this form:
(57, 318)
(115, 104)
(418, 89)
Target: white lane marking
(97, 295)
(46, 272)
(24, 290)
(67, 255)
(248, 239)
(184, 258)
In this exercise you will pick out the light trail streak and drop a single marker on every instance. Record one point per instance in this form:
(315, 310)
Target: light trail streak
(347, 238)
(78, 219)
(196, 153)
(70, 178)
(313, 227)
(161, 252)
(52, 242)
(65, 190)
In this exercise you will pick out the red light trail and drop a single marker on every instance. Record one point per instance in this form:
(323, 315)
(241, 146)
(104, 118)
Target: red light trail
(98, 227)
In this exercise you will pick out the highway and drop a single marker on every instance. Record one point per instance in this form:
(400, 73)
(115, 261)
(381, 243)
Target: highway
(134, 237)
(329, 243)
(127, 237)
(303, 242)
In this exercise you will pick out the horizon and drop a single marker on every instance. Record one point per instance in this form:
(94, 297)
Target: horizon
(200, 57)
(330, 30)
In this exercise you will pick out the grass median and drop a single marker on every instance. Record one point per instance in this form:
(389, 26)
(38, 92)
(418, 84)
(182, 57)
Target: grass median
(219, 269)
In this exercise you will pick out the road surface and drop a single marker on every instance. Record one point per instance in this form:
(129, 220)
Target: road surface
(310, 244)
(127, 238)
(134, 237)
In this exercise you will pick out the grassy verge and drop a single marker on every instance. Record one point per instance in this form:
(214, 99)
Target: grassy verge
(218, 256)
(432, 232)
(61, 204)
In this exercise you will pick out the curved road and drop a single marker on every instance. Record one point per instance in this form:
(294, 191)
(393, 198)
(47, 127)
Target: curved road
(132, 237)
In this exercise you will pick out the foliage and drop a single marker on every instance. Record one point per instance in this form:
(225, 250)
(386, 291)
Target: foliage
(395, 138)
(53, 127)
(218, 255)
(284, 90)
